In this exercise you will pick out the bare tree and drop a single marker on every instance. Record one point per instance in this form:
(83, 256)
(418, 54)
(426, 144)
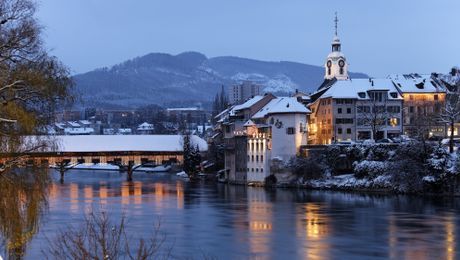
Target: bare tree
(32, 83)
(101, 238)
(375, 115)
(449, 115)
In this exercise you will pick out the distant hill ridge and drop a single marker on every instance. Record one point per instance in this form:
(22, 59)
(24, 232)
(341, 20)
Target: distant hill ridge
(189, 77)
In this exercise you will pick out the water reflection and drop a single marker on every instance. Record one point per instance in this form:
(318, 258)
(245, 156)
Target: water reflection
(260, 221)
(237, 222)
(22, 202)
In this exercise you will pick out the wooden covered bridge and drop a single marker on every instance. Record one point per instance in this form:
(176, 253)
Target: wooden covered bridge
(126, 151)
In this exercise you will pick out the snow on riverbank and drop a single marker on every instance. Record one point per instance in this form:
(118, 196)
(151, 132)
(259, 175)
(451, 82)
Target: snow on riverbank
(349, 181)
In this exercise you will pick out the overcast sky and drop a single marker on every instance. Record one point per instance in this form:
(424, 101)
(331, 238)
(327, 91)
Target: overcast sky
(378, 37)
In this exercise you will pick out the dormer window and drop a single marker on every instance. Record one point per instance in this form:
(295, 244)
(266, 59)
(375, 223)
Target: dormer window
(362, 95)
(393, 94)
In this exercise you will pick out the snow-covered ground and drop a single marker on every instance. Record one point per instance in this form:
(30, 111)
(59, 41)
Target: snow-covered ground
(349, 181)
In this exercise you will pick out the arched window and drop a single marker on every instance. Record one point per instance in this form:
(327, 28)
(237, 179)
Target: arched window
(329, 71)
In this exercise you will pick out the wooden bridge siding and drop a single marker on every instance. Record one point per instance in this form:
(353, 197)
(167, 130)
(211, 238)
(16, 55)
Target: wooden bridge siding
(102, 157)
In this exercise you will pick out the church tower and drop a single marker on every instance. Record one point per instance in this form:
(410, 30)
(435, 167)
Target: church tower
(336, 64)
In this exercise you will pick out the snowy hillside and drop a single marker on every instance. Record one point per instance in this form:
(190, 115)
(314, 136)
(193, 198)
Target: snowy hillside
(191, 77)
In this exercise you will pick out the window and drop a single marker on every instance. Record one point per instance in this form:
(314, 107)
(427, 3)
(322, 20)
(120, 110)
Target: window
(257, 158)
(378, 109)
(341, 70)
(362, 121)
(411, 109)
(290, 130)
(329, 121)
(339, 131)
(393, 94)
(348, 110)
(252, 158)
(348, 130)
(344, 120)
(339, 110)
(261, 158)
(329, 131)
(393, 109)
(362, 95)
(364, 109)
(393, 121)
(377, 96)
(435, 97)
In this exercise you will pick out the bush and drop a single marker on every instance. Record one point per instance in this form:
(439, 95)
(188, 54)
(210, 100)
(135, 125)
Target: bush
(370, 169)
(306, 168)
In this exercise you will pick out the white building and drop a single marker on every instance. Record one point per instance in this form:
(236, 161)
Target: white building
(145, 128)
(260, 130)
(277, 131)
(336, 64)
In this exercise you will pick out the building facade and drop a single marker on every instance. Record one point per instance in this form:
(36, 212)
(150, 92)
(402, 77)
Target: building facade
(259, 131)
(239, 93)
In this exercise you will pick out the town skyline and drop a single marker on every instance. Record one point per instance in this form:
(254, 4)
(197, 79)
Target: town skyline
(299, 32)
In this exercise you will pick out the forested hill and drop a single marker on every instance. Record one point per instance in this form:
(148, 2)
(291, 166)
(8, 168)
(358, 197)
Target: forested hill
(189, 77)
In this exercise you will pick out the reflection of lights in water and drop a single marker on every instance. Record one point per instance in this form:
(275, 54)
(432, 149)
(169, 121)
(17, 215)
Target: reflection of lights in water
(159, 190)
(180, 195)
(53, 194)
(103, 194)
(124, 193)
(88, 195)
(260, 221)
(450, 237)
(137, 192)
(312, 227)
(315, 225)
(260, 226)
(392, 237)
(74, 198)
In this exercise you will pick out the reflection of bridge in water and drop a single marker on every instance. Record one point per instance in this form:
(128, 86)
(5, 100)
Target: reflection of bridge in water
(128, 152)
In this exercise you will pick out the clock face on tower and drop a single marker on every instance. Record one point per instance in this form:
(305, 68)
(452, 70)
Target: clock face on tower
(341, 63)
(329, 63)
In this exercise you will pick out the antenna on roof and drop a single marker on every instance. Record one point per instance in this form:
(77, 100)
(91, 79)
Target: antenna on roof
(336, 20)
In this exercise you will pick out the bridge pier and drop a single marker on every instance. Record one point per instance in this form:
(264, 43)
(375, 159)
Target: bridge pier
(130, 170)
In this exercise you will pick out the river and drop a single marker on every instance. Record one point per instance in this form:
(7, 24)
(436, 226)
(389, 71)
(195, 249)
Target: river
(237, 222)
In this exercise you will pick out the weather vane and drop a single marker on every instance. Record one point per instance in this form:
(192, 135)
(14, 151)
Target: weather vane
(336, 20)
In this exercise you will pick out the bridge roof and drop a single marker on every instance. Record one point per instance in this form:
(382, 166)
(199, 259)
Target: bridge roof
(125, 143)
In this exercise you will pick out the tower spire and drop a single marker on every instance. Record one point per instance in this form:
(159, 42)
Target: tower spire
(336, 20)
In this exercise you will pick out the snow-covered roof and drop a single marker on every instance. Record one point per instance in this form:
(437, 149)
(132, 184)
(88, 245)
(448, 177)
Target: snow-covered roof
(73, 124)
(247, 104)
(125, 143)
(350, 88)
(224, 112)
(60, 125)
(415, 83)
(145, 126)
(79, 131)
(282, 105)
(85, 122)
(125, 130)
(183, 109)
(249, 123)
